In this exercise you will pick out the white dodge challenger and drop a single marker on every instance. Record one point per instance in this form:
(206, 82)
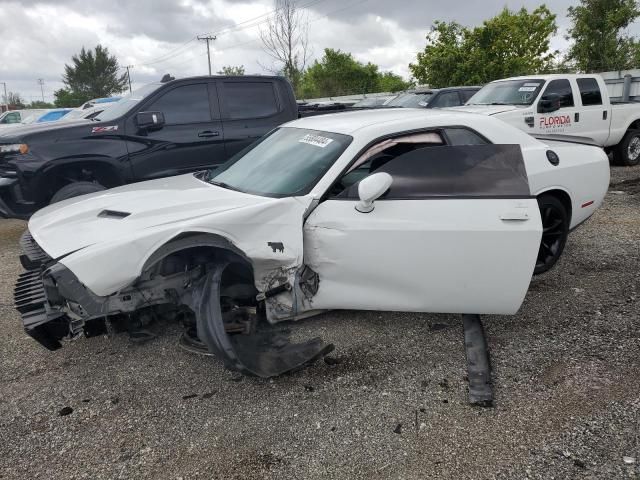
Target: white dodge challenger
(402, 210)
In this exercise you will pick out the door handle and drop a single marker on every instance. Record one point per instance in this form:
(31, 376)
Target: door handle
(577, 117)
(604, 114)
(515, 215)
(208, 133)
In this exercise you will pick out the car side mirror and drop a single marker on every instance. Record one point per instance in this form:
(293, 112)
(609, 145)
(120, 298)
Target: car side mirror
(372, 188)
(150, 120)
(549, 103)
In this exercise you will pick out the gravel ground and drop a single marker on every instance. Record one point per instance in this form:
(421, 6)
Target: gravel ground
(392, 405)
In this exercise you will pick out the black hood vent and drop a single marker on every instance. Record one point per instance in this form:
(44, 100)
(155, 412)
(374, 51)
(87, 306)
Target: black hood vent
(113, 214)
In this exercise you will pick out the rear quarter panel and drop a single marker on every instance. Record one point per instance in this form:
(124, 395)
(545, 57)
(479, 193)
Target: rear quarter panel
(583, 173)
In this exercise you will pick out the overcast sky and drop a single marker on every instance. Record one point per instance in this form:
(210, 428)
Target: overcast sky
(157, 36)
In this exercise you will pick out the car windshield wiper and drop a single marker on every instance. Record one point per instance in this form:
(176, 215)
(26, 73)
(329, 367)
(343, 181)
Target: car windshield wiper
(223, 185)
(492, 103)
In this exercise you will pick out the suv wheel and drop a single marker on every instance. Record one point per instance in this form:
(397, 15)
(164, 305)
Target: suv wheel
(76, 189)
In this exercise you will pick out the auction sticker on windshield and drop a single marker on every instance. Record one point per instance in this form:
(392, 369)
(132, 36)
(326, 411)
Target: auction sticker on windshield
(527, 89)
(317, 140)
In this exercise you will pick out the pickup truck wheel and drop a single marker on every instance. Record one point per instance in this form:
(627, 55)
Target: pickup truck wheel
(627, 152)
(76, 189)
(555, 229)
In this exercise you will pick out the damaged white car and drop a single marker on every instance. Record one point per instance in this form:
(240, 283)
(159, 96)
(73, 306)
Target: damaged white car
(402, 210)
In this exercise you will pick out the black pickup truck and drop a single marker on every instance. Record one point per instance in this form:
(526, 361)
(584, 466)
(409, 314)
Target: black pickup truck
(165, 128)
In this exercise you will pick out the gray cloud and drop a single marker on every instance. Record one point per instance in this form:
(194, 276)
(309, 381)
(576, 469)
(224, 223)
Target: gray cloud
(39, 36)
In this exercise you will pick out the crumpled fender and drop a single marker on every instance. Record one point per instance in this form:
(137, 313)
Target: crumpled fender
(269, 235)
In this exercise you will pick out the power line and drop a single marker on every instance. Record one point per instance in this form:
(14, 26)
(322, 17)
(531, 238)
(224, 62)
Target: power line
(246, 24)
(264, 18)
(208, 39)
(170, 54)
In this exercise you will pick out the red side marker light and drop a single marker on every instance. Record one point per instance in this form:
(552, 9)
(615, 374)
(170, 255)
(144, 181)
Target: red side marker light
(584, 205)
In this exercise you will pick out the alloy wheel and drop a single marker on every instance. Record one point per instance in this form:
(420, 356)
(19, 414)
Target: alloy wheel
(553, 235)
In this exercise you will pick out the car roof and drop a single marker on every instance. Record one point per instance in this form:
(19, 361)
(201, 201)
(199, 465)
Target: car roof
(384, 120)
(550, 76)
(443, 89)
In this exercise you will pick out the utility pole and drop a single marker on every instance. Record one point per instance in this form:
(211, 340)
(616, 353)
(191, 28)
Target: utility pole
(41, 83)
(129, 76)
(6, 100)
(208, 39)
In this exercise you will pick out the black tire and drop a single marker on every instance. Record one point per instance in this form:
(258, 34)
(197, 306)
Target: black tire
(76, 189)
(627, 152)
(555, 229)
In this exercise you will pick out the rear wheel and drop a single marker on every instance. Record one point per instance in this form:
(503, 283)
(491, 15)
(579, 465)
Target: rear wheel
(627, 152)
(76, 189)
(555, 229)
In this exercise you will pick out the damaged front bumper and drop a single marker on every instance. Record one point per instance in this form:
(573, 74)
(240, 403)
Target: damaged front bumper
(55, 305)
(37, 298)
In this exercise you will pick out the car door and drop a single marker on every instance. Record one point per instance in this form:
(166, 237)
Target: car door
(457, 232)
(192, 137)
(594, 119)
(566, 119)
(250, 109)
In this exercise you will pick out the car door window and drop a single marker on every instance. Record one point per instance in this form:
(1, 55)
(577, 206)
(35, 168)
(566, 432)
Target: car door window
(11, 118)
(249, 100)
(185, 104)
(589, 91)
(379, 154)
(446, 99)
(560, 89)
(477, 171)
(464, 136)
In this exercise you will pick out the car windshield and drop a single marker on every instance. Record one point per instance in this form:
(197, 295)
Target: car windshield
(411, 100)
(508, 92)
(126, 103)
(288, 161)
(370, 102)
(75, 114)
(32, 117)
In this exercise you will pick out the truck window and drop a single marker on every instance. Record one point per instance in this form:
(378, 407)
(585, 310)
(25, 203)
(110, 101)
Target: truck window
(185, 104)
(465, 95)
(11, 118)
(249, 99)
(589, 91)
(561, 87)
(447, 99)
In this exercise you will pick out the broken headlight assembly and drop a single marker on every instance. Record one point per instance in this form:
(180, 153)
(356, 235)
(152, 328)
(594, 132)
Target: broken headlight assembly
(21, 148)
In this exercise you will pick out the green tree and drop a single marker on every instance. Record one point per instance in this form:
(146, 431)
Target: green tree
(232, 70)
(444, 59)
(66, 98)
(41, 104)
(509, 44)
(599, 40)
(338, 73)
(390, 82)
(92, 74)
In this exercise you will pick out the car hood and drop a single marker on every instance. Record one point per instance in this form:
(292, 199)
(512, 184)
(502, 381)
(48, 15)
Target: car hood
(486, 109)
(103, 217)
(19, 130)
